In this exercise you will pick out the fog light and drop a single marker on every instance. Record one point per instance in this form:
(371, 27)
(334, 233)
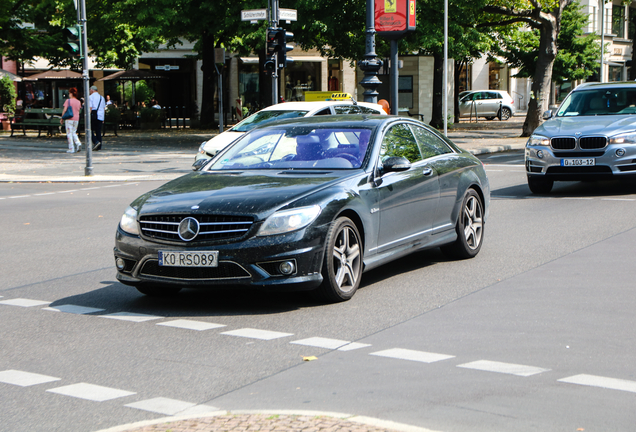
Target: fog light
(287, 267)
(120, 263)
(620, 152)
(540, 154)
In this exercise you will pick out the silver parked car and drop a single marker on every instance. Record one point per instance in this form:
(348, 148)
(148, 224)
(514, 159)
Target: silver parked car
(486, 103)
(592, 136)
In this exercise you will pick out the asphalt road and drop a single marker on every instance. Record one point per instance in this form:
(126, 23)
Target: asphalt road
(534, 334)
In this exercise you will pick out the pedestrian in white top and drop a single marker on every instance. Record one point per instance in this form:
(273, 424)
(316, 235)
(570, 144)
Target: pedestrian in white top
(97, 106)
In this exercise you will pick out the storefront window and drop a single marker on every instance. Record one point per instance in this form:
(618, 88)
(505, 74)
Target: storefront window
(496, 79)
(248, 86)
(615, 73)
(301, 77)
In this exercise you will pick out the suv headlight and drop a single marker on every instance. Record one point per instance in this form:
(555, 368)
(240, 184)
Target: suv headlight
(628, 138)
(201, 147)
(285, 221)
(128, 222)
(538, 140)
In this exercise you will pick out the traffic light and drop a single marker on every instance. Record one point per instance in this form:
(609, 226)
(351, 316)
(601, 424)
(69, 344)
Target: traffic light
(283, 37)
(270, 64)
(73, 43)
(272, 41)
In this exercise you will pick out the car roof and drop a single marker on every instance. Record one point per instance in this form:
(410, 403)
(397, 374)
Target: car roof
(603, 86)
(338, 121)
(317, 105)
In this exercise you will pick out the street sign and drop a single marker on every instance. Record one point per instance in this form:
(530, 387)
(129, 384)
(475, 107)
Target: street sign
(167, 67)
(254, 15)
(394, 17)
(287, 14)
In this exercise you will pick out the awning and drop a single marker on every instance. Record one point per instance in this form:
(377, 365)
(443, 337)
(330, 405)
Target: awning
(12, 76)
(54, 74)
(296, 59)
(132, 75)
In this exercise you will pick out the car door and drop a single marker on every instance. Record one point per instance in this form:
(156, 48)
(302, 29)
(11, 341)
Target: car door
(408, 199)
(443, 159)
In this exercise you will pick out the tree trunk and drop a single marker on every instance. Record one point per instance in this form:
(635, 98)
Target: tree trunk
(209, 82)
(437, 119)
(540, 96)
(459, 65)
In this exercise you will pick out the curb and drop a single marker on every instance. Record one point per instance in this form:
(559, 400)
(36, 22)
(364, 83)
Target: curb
(368, 421)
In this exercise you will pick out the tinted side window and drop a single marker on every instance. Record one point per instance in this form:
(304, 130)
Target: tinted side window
(347, 109)
(429, 144)
(325, 111)
(400, 142)
(367, 110)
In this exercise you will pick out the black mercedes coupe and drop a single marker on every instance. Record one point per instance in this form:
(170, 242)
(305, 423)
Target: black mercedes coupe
(306, 204)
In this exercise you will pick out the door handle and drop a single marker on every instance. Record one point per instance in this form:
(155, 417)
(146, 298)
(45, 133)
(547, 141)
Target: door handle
(427, 171)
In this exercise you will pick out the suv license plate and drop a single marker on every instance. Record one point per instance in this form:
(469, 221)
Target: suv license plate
(189, 259)
(578, 162)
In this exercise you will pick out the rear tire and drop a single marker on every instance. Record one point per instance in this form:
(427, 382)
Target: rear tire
(153, 291)
(470, 228)
(342, 263)
(540, 186)
(505, 113)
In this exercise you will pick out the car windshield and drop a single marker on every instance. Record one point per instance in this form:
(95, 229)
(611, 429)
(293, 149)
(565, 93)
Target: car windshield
(263, 117)
(297, 147)
(614, 101)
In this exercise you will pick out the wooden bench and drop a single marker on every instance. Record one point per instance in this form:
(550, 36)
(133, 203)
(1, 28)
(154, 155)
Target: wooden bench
(37, 118)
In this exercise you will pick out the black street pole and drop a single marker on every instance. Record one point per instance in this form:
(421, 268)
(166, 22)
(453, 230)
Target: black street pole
(274, 24)
(394, 76)
(88, 170)
(371, 64)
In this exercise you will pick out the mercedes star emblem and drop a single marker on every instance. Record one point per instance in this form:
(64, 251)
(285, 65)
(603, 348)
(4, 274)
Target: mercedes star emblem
(188, 229)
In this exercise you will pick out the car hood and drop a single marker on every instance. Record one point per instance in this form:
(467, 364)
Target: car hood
(587, 125)
(221, 141)
(250, 193)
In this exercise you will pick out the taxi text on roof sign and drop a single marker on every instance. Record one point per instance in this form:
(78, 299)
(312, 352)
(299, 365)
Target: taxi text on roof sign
(313, 96)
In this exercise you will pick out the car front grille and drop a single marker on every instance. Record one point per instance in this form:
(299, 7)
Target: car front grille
(212, 227)
(563, 143)
(225, 270)
(590, 143)
(598, 169)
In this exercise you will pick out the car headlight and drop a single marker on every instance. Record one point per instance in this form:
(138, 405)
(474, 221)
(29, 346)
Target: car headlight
(285, 221)
(538, 140)
(128, 221)
(201, 147)
(628, 138)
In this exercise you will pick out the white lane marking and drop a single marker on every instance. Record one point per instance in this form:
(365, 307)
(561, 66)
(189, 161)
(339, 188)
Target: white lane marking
(162, 405)
(42, 194)
(130, 316)
(407, 354)
(91, 188)
(191, 324)
(73, 309)
(576, 198)
(353, 346)
(19, 196)
(90, 392)
(24, 379)
(68, 191)
(505, 368)
(505, 165)
(603, 382)
(320, 342)
(617, 199)
(257, 334)
(491, 170)
(24, 302)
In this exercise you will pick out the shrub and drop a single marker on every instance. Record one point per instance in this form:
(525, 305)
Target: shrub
(7, 95)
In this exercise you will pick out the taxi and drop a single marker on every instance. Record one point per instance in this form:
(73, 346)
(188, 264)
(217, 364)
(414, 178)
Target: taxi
(333, 103)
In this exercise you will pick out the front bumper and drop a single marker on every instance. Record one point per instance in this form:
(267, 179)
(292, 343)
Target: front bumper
(545, 162)
(251, 262)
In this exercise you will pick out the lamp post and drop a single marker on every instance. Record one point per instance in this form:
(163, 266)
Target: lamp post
(371, 64)
(88, 170)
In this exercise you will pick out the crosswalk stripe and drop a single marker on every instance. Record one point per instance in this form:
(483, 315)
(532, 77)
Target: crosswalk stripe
(73, 309)
(24, 302)
(603, 382)
(191, 324)
(24, 379)
(412, 355)
(130, 316)
(90, 392)
(257, 334)
(162, 405)
(505, 368)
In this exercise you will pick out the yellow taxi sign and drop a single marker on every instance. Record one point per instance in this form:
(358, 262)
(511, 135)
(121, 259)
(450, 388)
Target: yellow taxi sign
(314, 96)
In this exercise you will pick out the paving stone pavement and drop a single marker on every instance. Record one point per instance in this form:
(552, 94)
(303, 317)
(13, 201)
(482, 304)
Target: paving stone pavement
(268, 422)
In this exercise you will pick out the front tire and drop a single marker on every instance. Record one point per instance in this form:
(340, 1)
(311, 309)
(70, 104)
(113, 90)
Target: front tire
(470, 228)
(540, 186)
(342, 263)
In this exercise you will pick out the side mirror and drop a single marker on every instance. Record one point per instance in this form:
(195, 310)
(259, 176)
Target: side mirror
(395, 164)
(198, 164)
(547, 115)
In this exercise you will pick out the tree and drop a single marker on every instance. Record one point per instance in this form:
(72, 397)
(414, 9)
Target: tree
(545, 16)
(7, 95)
(577, 55)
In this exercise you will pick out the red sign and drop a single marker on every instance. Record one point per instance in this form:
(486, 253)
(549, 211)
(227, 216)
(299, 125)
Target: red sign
(394, 16)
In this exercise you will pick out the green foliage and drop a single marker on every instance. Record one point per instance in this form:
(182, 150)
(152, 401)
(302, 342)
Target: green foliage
(150, 115)
(577, 54)
(143, 92)
(112, 114)
(7, 95)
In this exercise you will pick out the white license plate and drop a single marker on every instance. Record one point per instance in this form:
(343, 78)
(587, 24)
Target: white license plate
(189, 259)
(578, 162)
